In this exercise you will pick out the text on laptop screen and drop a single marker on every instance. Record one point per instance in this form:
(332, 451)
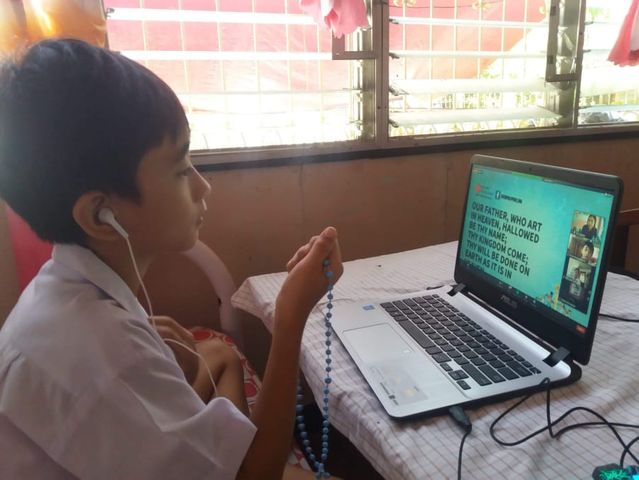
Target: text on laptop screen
(538, 238)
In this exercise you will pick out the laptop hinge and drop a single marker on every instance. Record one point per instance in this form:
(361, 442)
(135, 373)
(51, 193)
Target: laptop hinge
(460, 287)
(559, 355)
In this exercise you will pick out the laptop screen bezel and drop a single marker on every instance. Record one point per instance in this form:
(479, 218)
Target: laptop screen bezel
(551, 332)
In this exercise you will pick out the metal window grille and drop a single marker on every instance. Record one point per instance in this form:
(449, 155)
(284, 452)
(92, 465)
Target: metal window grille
(464, 66)
(249, 73)
(257, 77)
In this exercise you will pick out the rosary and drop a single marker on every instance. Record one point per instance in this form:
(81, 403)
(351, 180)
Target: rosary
(301, 426)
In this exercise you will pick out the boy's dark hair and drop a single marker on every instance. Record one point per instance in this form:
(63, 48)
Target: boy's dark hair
(76, 118)
(590, 246)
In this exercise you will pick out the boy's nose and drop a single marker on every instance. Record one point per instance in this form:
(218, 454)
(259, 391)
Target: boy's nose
(202, 187)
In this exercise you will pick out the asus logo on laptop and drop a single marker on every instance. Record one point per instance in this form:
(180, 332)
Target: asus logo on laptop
(508, 301)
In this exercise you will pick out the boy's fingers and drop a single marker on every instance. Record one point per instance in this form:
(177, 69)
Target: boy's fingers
(317, 249)
(335, 258)
(167, 325)
(167, 333)
(184, 331)
(324, 245)
(170, 338)
(300, 254)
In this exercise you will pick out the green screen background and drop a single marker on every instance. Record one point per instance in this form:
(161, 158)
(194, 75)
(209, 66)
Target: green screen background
(551, 203)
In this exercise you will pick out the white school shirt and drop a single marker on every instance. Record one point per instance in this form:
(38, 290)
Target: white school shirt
(88, 389)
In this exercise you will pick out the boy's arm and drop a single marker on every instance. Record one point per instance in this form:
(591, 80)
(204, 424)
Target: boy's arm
(274, 412)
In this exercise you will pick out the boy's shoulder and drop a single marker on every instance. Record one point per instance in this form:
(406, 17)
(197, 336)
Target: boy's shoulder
(77, 319)
(73, 290)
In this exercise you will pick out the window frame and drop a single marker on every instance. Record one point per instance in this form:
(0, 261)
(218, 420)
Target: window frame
(382, 144)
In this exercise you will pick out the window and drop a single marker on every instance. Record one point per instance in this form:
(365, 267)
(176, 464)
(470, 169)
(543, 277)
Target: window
(259, 76)
(250, 73)
(465, 66)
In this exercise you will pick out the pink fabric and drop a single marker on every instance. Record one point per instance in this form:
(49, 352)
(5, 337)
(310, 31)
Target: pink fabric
(626, 51)
(29, 251)
(341, 16)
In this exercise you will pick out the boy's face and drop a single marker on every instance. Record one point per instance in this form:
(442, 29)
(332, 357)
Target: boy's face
(171, 208)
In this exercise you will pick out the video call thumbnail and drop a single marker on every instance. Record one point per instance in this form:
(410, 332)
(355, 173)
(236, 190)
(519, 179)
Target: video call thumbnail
(581, 260)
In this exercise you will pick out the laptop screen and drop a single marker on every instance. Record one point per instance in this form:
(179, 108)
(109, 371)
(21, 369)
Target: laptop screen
(538, 238)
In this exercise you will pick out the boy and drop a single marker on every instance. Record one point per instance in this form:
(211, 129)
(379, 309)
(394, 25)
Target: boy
(88, 388)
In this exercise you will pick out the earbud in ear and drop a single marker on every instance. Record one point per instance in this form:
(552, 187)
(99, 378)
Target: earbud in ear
(105, 215)
(204, 205)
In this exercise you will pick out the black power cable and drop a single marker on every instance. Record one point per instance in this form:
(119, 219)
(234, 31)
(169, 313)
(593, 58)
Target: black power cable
(463, 421)
(459, 458)
(558, 433)
(622, 319)
(626, 450)
(458, 414)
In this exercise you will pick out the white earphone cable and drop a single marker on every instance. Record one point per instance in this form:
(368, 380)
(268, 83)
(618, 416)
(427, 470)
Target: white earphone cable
(152, 317)
(137, 273)
(208, 370)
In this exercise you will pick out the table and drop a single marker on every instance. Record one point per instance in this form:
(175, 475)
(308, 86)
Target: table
(427, 448)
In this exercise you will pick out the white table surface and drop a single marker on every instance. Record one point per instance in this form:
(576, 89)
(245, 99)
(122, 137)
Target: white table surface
(427, 448)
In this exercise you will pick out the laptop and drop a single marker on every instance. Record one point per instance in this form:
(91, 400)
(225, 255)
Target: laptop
(529, 275)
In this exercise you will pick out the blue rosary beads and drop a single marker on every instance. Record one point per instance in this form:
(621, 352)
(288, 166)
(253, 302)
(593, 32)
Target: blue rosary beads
(301, 426)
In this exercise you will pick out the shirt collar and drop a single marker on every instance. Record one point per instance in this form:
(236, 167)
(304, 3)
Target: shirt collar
(87, 264)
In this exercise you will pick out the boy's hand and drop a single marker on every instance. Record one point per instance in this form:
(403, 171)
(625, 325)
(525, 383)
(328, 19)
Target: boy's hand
(169, 329)
(306, 283)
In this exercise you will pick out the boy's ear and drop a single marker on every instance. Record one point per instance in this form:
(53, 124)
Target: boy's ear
(85, 213)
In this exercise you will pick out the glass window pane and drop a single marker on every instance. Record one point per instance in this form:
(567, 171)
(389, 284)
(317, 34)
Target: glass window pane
(463, 66)
(250, 73)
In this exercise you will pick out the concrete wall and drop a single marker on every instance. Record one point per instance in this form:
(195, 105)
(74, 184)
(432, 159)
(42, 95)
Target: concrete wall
(258, 217)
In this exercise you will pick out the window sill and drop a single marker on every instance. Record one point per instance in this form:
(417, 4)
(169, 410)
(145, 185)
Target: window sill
(403, 146)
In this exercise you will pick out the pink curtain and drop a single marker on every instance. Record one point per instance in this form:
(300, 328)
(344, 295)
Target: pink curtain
(626, 49)
(341, 16)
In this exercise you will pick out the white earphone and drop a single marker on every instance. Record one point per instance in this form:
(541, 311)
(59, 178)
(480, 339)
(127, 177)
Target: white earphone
(105, 215)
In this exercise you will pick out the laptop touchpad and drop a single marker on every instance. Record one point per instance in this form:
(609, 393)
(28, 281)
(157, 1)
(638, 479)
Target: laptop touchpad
(377, 342)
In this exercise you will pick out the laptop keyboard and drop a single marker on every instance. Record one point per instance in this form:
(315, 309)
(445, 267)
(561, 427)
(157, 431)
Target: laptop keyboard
(460, 346)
